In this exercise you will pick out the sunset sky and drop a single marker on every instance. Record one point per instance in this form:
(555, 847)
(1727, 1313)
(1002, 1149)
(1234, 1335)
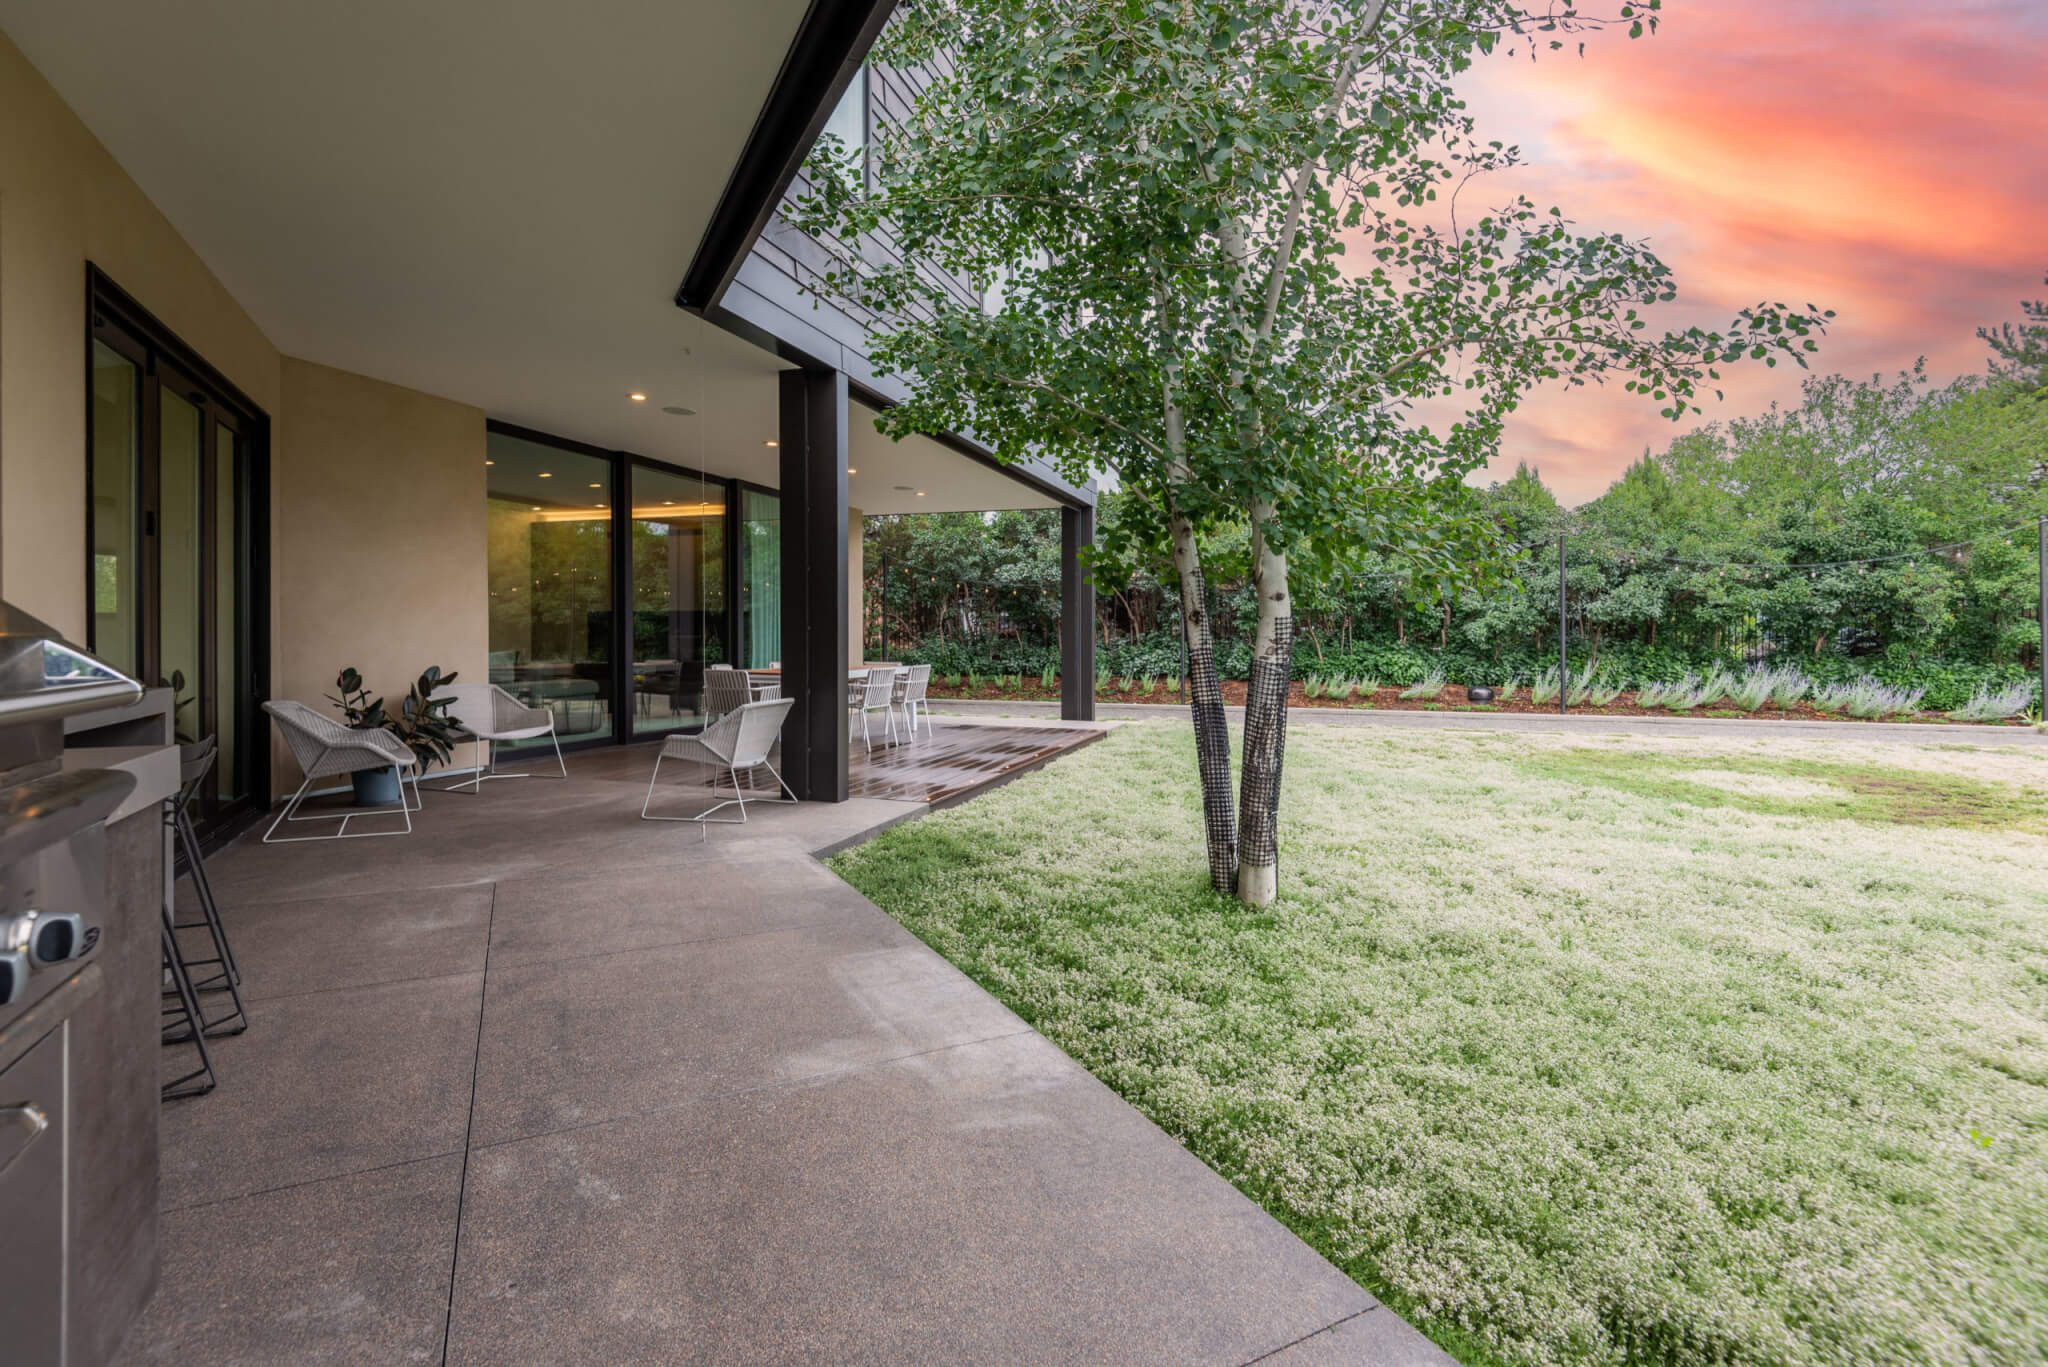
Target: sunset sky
(1885, 159)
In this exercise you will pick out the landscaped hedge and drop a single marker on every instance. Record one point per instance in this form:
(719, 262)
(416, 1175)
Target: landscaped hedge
(1948, 683)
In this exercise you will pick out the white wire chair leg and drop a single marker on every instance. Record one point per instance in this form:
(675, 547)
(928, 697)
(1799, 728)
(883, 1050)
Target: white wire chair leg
(474, 784)
(405, 808)
(705, 818)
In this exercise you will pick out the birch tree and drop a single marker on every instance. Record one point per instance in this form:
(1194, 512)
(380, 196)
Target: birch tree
(1225, 249)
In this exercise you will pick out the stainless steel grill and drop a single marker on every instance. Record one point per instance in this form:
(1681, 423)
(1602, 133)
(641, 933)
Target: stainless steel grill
(64, 1112)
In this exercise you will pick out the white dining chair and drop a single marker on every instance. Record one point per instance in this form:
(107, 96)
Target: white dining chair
(878, 694)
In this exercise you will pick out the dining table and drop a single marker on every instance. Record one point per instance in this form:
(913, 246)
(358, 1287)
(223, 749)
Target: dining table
(770, 676)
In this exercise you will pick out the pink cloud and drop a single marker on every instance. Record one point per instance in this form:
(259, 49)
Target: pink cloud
(1871, 156)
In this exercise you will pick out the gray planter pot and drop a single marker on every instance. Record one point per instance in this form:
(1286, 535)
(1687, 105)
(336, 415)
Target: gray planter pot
(375, 787)
(1479, 694)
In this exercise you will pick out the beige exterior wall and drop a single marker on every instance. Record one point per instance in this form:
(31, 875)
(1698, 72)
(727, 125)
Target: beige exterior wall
(377, 510)
(380, 541)
(64, 201)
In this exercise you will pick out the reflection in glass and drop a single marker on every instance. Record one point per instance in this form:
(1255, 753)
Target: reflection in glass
(550, 536)
(116, 503)
(180, 606)
(761, 578)
(229, 537)
(678, 595)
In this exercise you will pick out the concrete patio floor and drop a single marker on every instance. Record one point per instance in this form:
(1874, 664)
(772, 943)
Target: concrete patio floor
(545, 1083)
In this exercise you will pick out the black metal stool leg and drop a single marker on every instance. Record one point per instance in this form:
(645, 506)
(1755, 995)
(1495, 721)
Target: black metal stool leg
(202, 887)
(225, 975)
(187, 1025)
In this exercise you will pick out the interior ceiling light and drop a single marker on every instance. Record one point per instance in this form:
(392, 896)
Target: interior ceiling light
(547, 474)
(597, 486)
(679, 410)
(771, 443)
(490, 462)
(637, 398)
(851, 471)
(920, 493)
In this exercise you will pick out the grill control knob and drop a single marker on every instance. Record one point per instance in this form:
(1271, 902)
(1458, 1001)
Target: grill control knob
(13, 976)
(54, 936)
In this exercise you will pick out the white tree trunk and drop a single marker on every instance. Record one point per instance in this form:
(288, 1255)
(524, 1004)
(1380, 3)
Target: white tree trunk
(1265, 724)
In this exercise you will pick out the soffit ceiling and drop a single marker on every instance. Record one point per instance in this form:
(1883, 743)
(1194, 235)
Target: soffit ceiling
(488, 200)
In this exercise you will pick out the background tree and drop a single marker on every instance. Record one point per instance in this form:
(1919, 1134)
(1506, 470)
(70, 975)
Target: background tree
(1169, 192)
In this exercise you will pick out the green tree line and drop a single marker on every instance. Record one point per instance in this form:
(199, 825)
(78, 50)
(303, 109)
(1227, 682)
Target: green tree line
(1876, 526)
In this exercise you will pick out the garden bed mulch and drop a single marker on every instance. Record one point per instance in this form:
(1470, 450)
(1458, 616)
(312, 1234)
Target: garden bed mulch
(1452, 699)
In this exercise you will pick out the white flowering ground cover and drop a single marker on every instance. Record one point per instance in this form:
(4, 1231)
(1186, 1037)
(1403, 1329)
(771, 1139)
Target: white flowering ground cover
(1573, 1050)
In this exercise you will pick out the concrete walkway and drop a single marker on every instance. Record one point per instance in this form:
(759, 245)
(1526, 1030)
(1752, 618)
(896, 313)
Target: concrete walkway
(1908, 733)
(545, 1083)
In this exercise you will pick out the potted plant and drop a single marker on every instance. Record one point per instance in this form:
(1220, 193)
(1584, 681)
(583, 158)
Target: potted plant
(422, 723)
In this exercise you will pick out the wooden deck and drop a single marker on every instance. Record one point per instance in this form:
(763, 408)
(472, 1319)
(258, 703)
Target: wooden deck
(955, 760)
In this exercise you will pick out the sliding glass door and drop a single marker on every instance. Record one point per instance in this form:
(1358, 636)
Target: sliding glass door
(613, 582)
(678, 557)
(549, 521)
(760, 578)
(171, 576)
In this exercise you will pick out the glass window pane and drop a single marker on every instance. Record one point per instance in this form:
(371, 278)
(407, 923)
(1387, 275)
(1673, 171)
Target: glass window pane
(678, 595)
(231, 701)
(550, 538)
(180, 547)
(761, 579)
(116, 508)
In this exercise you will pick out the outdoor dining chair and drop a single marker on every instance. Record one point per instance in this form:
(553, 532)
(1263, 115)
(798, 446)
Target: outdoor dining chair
(741, 740)
(911, 686)
(726, 690)
(325, 748)
(878, 694)
(489, 714)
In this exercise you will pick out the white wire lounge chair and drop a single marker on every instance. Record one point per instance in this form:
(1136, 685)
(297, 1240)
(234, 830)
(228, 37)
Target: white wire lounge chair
(739, 740)
(726, 690)
(877, 695)
(489, 714)
(325, 748)
(912, 684)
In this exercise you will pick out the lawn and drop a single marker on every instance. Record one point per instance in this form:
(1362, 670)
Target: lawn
(1573, 1050)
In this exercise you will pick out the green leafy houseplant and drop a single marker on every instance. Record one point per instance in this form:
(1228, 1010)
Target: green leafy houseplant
(422, 721)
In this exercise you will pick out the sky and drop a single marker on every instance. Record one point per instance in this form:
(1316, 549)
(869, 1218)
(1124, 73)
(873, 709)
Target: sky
(1885, 159)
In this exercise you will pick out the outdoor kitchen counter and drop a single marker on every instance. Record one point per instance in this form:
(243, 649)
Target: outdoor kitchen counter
(154, 768)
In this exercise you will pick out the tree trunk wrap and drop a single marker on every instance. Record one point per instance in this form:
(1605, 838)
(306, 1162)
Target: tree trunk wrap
(1265, 722)
(1265, 750)
(1205, 704)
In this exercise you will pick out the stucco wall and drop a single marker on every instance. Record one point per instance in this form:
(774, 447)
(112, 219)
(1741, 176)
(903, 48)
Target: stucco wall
(380, 538)
(64, 201)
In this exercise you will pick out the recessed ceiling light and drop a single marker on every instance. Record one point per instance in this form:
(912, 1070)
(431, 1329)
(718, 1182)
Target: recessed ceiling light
(536, 507)
(600, 505)
(490, 462)
(597, 486)
(547, 474)
(769, 443)
(920, 493)
(668, 503)
(637, 398)
(679, 410)
(851, 471)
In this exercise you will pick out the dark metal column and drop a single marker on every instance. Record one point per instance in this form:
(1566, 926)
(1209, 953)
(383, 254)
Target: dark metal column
(814, 602)
(1077, 617)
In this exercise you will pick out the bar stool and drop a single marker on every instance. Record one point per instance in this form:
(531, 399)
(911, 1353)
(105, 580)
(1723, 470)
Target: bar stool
(182, 1021)
(195, 762)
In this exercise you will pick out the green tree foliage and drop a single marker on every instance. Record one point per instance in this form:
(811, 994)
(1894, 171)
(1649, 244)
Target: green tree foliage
(1857, 470)
(1219, 265)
